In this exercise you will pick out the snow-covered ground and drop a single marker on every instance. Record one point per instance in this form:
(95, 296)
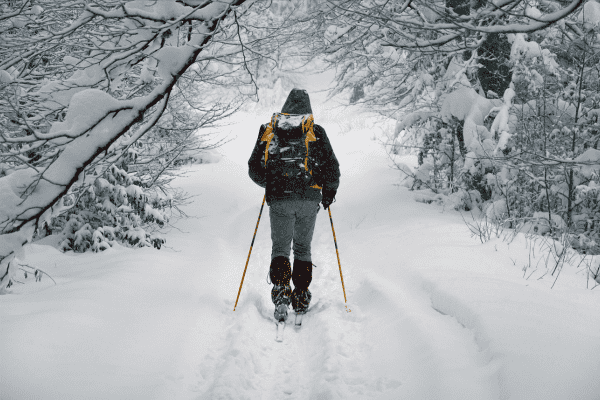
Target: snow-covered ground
(434, 313)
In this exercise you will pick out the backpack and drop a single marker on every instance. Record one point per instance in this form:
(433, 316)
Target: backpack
(287, 155)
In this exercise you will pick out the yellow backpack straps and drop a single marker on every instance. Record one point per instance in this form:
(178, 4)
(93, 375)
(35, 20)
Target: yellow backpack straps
(268, 135)
(308, 127)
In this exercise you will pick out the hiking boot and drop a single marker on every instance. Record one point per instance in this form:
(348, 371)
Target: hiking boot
(281, 312)
(301, 300)
(281, 295)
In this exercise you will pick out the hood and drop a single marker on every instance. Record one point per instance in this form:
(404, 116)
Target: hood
(297, 102)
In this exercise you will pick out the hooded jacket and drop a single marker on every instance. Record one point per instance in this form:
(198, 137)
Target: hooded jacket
(298, 102)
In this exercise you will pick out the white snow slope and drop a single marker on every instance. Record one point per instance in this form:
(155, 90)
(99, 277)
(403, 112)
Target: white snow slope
(434, 313)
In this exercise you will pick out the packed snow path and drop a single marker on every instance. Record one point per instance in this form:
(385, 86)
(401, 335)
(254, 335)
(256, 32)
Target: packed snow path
(393, 343)
(434, 314)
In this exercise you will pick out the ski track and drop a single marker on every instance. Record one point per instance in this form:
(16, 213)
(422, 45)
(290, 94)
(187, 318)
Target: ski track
(399, 341)
(393, 344)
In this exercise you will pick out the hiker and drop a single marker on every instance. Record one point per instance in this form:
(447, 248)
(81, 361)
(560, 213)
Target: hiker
(294, 161)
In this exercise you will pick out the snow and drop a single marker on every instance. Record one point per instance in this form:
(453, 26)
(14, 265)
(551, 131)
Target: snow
(11, 188)
(496, 210)
(410, 119)
(592, 158)
(86, 109)
(171, 60)
(500, 124)
(455, 75)
(58, 94)
(435, 314)
(5, 77)
(533, 12)
(334, 32)
(37, 10)
(135, 191)
(590, 15)
(458, 104)
(160, 10)
(156, 214)
(520, 46)
(70, 60)
(147, 74)
(539, 223)
(467, 105)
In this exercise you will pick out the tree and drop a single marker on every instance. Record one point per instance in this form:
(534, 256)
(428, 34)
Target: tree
(393, 51)
(74, 78)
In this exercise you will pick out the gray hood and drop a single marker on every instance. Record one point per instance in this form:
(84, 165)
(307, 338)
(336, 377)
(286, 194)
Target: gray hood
(297, 102)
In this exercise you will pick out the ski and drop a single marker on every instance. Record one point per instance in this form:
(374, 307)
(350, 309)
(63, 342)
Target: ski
(298, 322)
(280, 328)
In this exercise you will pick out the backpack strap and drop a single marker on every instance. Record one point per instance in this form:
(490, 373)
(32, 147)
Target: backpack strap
(268, 135)
(308, 124)
(307, 127)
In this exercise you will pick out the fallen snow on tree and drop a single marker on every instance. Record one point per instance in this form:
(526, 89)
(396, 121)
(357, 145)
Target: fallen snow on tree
(409, 120)
(467, 105)
(590, 15)
(170, 60)
(160, 10)
(497, 210)
(58, 94)
(501, 122)
(539, 223)
(455, 75)
(592, 159)
(522, 48)
(86, 109)
(5, 77)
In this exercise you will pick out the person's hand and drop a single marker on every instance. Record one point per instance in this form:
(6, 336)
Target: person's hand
(328, 198)
(327, 202)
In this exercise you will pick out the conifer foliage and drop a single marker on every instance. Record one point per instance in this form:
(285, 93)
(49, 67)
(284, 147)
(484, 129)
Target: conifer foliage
(114, 208)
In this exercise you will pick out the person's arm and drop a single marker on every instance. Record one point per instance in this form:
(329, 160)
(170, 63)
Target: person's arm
(329, 174)
(256, 170)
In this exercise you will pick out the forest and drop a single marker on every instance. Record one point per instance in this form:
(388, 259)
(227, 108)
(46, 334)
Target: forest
(102, 101)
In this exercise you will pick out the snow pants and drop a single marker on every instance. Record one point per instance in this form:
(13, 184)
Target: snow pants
(292, 220)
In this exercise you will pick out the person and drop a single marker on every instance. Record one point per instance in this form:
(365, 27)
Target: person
(293, 205)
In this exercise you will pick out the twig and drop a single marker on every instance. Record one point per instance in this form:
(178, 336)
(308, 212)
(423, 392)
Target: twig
(37, 269)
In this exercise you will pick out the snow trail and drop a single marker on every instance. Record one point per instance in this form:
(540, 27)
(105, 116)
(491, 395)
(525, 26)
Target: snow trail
(392, 344)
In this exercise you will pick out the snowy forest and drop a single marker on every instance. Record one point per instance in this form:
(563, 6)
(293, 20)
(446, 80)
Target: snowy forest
(115, 164)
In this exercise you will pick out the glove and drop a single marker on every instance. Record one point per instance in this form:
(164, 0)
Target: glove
(328, 198)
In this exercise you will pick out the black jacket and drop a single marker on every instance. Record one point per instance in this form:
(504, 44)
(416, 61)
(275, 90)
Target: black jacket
(328, 175)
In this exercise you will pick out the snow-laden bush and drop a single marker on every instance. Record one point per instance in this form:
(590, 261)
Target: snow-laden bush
(112, 209)
(531, 156)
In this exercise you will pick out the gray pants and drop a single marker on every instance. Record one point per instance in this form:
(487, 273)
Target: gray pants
(293, 220)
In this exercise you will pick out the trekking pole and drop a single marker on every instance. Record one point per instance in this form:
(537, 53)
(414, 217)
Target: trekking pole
(250, 252)
(338, 258)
